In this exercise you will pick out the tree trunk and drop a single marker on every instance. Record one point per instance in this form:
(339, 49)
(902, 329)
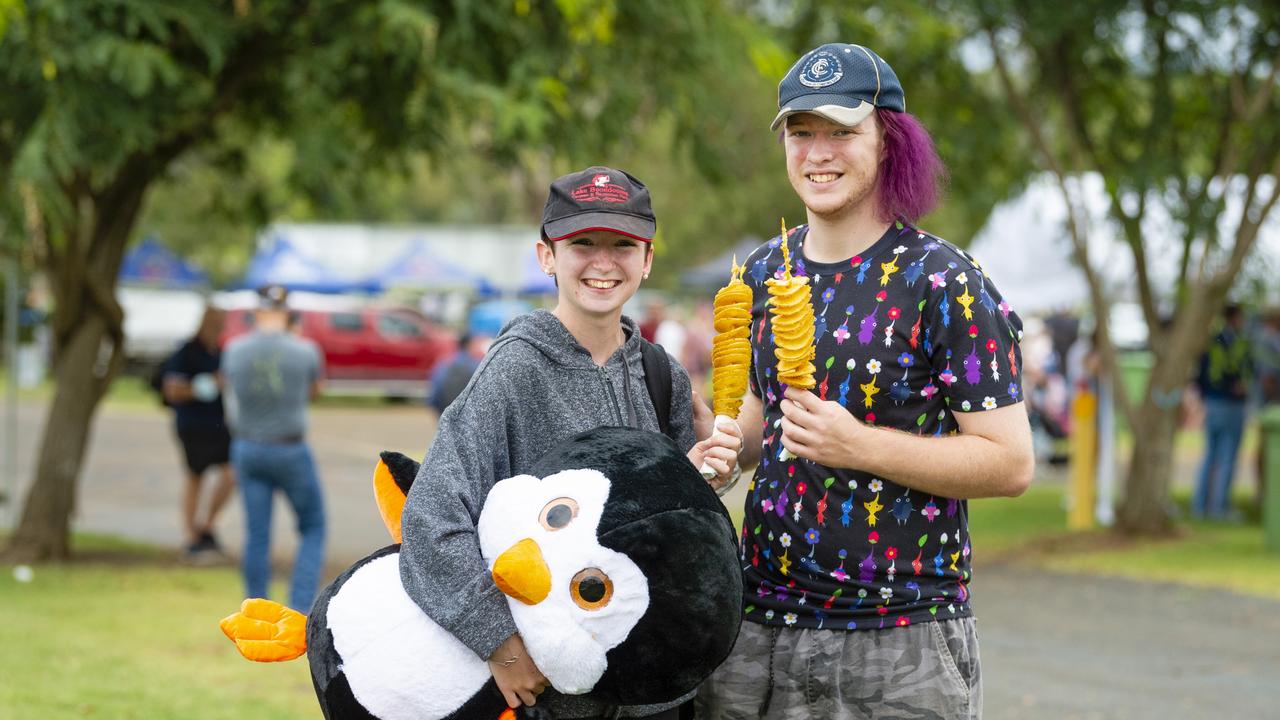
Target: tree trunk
(1145, 509)
(88, 332)
(44, 531)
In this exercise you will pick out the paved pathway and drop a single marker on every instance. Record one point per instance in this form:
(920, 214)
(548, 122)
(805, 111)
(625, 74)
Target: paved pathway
(1053, 646)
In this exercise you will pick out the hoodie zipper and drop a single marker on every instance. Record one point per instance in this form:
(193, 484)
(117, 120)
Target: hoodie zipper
(613, 399)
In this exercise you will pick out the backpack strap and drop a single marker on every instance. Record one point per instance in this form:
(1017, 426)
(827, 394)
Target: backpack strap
(657, 378)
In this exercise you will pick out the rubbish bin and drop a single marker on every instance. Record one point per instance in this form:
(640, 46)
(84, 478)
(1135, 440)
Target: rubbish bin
(1135, 370)
(1269, 423)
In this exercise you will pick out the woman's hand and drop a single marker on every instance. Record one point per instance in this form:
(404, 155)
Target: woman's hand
(719, 453)
(518, 679)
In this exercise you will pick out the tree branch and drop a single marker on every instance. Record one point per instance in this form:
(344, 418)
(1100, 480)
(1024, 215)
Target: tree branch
(1247, 230)
(1076, 233)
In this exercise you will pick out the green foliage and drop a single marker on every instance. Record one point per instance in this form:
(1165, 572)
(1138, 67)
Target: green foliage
(681, 97)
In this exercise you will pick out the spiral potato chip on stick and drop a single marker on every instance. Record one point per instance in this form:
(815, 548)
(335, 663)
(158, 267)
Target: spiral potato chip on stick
(791, 308)
(731, 348)
(730, 356)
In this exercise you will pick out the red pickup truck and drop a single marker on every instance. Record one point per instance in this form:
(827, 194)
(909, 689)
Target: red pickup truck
(387, 351)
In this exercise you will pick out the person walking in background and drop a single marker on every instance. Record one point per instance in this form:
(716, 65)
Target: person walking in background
(855, 544)
(271, 374)
(1223, 381)
(190, 387)
(655, 311)
(699, 334)
(452, 375)
(551, 375)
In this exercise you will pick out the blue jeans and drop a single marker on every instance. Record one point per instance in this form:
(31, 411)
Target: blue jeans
(1223, 430)
(262, 469)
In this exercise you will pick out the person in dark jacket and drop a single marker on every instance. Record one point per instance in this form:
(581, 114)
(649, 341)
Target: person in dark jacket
(190, 387)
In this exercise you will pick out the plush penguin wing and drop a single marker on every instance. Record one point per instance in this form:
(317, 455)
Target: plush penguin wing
(266, 631)
(375, 654)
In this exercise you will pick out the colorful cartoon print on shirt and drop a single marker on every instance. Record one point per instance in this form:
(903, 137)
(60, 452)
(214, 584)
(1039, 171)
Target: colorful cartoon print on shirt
(914, 334)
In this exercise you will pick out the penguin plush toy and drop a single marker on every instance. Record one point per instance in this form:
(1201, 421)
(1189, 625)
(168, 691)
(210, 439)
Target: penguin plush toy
(620, 567)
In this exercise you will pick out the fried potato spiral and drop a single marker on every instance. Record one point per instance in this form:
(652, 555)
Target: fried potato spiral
(731, 348)
(791, 309)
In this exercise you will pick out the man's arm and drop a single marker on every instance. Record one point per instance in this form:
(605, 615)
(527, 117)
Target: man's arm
(177, 388)
(751, 420)
(990, 457)
(317, 373)
(175, 381)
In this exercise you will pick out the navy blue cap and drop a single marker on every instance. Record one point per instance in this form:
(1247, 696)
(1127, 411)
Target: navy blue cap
(842, 83)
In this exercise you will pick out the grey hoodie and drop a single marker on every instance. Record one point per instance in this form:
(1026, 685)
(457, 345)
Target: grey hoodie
(536, 387)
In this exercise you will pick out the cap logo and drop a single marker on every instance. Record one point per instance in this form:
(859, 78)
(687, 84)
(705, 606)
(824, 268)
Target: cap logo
(601, 189)
(820, 70)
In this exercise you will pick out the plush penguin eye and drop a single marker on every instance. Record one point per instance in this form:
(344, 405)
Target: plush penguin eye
(558, 513)
(591, 589)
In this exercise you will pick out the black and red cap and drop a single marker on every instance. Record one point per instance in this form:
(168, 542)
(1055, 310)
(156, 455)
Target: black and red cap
(598, 198)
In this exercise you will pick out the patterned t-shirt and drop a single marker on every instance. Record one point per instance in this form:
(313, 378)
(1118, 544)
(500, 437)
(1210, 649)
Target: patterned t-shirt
(907, 334)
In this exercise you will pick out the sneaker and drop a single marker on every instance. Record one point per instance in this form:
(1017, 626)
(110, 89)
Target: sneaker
(209, 543)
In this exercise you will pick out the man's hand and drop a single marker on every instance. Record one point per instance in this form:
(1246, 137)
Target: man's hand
(819, 430)
(518, 679)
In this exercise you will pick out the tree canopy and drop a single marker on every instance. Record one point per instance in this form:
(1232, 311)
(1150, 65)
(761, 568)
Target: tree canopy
(103, 97)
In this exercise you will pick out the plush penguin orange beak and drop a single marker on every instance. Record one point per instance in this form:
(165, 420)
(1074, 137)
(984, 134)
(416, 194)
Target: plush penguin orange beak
(521, 572)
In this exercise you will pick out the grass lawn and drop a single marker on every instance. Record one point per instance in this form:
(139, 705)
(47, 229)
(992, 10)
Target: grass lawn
(1032, 529)
(126, 633)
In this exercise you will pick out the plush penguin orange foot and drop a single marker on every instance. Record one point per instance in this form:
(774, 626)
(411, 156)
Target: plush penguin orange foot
(620, 568)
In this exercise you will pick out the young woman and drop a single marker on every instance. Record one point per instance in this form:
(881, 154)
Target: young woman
(549, 376)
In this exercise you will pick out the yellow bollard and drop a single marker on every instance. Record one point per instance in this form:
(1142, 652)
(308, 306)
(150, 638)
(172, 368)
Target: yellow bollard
(1084, 460)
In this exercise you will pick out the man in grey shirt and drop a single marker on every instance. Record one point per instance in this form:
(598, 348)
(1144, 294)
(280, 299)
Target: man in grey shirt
(271, 375)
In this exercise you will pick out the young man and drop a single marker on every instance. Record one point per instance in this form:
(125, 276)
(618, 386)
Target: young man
(190, 387)
(855, 543)
(548, 377)
(271, 375)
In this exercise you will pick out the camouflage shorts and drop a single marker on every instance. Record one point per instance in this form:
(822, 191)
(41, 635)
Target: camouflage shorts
(929, 670)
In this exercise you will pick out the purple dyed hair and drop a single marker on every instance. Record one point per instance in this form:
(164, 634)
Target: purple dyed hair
(911, 174)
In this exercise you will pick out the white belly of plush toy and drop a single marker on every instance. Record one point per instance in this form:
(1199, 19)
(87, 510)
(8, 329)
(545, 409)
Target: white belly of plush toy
(383, 637)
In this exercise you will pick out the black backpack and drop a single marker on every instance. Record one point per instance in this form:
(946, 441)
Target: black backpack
(657, 378)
